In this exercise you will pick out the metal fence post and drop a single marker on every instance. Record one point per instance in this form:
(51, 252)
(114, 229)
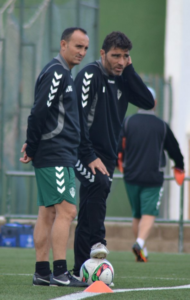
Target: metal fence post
(2, 114)
(8, 200)
(20, 79)
(180, 246)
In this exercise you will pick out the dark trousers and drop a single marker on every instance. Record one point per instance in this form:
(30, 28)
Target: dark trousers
(90, 229)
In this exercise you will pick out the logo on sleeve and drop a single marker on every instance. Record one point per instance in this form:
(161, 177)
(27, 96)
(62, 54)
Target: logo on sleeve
(86, 88)
(83, 171)
(54, 88)
(69, 89)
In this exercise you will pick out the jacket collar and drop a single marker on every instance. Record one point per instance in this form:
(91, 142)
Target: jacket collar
(99, 62)
(62, 61)
(146, 112)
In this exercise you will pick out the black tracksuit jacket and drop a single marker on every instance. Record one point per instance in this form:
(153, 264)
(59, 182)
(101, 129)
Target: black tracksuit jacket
(103, 101)
(147, 137)
(53, 133)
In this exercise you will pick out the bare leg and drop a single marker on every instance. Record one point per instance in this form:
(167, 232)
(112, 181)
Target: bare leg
(135, 227)
(65, 214)
(42, 231)
(145, 226)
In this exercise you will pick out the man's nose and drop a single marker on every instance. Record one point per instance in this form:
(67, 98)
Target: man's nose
(83, 52)
(121, 61)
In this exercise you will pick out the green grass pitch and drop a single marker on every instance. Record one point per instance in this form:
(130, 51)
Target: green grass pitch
(162, 270)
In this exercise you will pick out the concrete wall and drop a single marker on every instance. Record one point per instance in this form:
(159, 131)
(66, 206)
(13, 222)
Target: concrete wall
(119, 236)
(163, 238)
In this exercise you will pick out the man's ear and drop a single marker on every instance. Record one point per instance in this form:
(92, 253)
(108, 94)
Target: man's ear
(102, 53)
(63, 44)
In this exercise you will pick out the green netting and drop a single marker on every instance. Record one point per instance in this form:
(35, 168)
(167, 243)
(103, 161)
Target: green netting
(30, 32)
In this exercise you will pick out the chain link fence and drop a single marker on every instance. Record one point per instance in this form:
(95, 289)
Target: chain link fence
(30, 32)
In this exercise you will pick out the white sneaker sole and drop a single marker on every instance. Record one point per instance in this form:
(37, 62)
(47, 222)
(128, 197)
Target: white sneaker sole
(98, 255)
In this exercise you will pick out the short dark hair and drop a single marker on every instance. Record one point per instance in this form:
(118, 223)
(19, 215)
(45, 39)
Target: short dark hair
(116, 39)
(69, 31)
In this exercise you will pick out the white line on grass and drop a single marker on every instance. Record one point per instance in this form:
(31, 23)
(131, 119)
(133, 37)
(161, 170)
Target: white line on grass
(8, 274)
(77, 296)
(157, 278)
(154, 289)
(83, 295)
(125, 277)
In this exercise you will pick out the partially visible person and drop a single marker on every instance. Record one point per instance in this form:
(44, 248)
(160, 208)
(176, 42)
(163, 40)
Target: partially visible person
(53, 137)
(145, 138)
(104, 89)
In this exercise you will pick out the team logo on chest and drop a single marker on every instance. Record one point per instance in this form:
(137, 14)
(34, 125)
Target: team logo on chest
(69, 89)
(119, 93)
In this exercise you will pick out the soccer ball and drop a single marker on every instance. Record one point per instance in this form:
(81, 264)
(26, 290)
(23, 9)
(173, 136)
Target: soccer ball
(95, 269)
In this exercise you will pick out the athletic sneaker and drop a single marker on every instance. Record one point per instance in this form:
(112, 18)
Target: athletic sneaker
(66, 279)
(41, 280)
(138, 251)
(145, 252)
(78, 278)
(99, 250)
(139, 259)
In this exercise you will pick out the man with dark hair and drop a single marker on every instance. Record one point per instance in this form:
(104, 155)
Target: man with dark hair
(104, 89)
(53, 136)
(147, 137)
(117, 40)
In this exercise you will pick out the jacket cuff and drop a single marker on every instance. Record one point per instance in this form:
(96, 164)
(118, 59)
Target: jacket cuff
(88, 160)
(29, 152)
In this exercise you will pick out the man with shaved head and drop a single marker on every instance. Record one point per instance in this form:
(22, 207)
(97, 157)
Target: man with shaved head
(53, 137)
